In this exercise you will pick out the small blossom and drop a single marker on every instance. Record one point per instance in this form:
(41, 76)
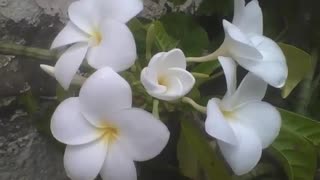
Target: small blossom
(97, 32)
(242, 124)
(166, 77)
(245, 43)
(103, 133)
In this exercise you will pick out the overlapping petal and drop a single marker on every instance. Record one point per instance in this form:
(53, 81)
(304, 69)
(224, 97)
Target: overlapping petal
(103, 93)
(68, 35)
(118, 165)
(230, 71)
(121, 10)
(273, 68)
(262, 118)
(142, 136)
(83, 162)
(117, 48)
(217, 125)
(149, 79)
(172, 59)
(174, 90)
(70, 127)
(248, 18)
(86, 15)
(252, 88)
(69, 63)
(185, 78)
(238, 44)
(244, 156)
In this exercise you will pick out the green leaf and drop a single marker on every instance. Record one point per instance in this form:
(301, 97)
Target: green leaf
(150, 39)
(196, 142)
(193, 38)
(135, 25)
(206, 67)
(208, 7)
(299, 64)
(297, 156)
(139, 30)
(29, 102)
(302, 126)
(188, 161)
(163, 40)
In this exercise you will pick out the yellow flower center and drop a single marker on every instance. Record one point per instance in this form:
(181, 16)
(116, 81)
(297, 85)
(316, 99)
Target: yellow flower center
(96, 37)
(228, 114)
(110, 133)
(162, 80)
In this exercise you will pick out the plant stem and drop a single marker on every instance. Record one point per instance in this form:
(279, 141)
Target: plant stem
(213, 56)
(20, 50)
(155, 109)
(149, 41)
(200, 75)
(195, 105)
(307, 86)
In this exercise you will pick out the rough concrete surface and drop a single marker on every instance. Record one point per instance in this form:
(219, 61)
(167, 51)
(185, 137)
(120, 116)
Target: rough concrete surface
(26, 154)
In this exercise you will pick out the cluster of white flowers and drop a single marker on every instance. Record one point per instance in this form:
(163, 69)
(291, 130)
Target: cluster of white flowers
(105, 134)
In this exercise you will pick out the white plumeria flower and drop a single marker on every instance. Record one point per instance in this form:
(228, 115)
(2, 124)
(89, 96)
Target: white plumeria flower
(245, 43)
(103, 133)
(97, 32)
(242, 124)
(166, 77)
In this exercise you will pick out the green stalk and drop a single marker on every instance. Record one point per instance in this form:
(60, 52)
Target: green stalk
(307, 86)
(31, 52)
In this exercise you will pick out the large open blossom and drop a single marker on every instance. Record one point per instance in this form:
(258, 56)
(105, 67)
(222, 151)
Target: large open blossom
(242, 124)
(244, 42)
(166, 77)
(253, 51)
(103, 133)
(97, 32)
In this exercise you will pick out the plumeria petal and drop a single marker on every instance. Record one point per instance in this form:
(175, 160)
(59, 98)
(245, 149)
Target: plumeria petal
(117, 48)
(263, 118)
(141, 134)
(174, 86)
(250, 20)
(68, 35)
(273, 68)
(85, 14)
(149, 79)
(252, 88)
(230, 71)
(238, 44)
(118, 165)
(122, 10)
(244, 156)
(172, 59)
(77, 79)
(155, 61)
(83, 162)
(217, 125)
(70, 127)
(69, 63)
(239, 6)
(174, 89)
(104, 92)
(186, 79)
